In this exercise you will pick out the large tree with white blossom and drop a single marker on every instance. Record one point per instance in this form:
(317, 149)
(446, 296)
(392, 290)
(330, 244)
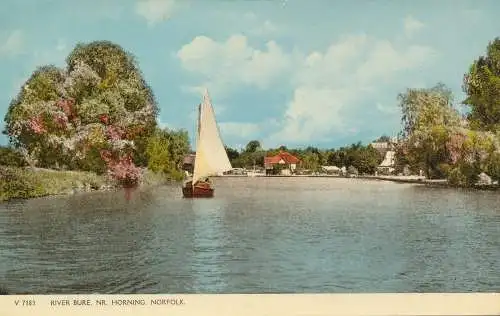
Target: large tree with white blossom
(96, 114)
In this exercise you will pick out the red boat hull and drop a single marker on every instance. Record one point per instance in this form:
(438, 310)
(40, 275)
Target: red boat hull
(199, 190)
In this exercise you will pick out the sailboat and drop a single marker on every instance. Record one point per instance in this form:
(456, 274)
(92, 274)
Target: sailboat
(211, 158)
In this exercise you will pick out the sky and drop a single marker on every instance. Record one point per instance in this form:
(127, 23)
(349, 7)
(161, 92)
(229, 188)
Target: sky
(324, 73)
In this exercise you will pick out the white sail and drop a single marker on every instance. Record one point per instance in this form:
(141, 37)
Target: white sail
(211, 158)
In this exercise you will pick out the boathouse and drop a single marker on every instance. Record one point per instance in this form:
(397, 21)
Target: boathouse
(283, 163)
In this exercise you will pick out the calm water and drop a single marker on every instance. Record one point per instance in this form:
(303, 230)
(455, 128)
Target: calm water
(257, 235)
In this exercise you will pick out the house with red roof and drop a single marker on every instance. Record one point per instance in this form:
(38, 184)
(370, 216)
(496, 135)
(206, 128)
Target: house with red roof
(284, 163)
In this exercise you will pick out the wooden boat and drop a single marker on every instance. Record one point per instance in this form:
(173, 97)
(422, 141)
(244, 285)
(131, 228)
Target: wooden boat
(211, 158)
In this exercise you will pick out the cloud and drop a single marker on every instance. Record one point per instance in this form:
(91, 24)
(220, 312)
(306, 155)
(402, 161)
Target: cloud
(155, 11)
(312, 113)
(233, 62)
(239, 130)
(412, 26)
(13, 44)
(327, 86)
(235, 133)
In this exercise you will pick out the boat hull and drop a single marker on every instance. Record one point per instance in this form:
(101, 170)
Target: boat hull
(199, 190)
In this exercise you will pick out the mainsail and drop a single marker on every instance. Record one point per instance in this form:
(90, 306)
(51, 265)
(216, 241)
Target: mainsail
(211, 158)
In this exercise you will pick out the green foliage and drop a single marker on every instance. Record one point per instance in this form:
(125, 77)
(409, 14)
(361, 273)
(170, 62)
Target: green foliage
(464, 174)
(368, 160)
(11, 157)
(232, 153)
(364, 158)
(482, 86)
(311, 160)
(15, 185)
(456, 177)
(166, 150)
(101, 79)
(253, 146)
(428, 118)
(26, 183)
(421, 108)
(249, 159)
(492, 166)
(383, 139)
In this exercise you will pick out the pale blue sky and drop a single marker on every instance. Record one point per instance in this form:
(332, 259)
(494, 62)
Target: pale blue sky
(294, 72)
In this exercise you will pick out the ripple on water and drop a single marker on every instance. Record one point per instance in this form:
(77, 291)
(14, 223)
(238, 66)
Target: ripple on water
(271, 235)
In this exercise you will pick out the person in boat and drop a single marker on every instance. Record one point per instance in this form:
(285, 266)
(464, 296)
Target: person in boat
(204, 180)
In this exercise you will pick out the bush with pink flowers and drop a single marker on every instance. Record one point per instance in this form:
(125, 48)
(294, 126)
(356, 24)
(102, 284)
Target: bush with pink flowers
(95, 115)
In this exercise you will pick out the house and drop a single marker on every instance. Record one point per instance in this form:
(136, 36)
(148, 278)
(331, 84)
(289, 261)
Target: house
(285, 162)
(384, 147)
(188, 163)
(387, 165)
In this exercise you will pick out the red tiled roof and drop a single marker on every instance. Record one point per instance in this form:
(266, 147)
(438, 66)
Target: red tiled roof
(272, 160)
(287, 158)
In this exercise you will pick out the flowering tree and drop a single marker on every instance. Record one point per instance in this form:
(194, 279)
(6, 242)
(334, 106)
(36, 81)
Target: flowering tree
(91, 116)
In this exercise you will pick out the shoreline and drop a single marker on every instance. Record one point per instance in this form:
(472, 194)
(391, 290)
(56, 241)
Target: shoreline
(29, 183)
(419, 180)
(76, 182)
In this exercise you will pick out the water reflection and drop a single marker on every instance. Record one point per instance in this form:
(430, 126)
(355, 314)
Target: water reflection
(257, 235)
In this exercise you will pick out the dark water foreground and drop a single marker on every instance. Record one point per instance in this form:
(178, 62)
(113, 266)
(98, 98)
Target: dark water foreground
(257, 235)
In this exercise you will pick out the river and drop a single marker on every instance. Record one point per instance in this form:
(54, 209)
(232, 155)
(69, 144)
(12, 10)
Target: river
(257, 235)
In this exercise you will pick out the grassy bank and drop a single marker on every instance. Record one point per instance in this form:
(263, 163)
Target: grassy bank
(29, 183)
(26, 183)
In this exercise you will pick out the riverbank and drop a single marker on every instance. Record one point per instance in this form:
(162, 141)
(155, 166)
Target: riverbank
(421, 180)
(25, 183)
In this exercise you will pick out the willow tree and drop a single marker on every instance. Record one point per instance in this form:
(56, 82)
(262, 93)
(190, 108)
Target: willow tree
(428, 119)
(96, 114)
(482, 86)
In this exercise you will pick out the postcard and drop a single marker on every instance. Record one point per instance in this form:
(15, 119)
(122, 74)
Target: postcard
(261, 157)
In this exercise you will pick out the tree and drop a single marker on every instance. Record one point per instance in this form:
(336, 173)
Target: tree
(311, 161)
(383, 139)
(252, 146)
(10, 157)
(415, 102)
(428, 118)
(232, 153)
(367, 160)
(95, 115)
(482, 86)
(166, 150)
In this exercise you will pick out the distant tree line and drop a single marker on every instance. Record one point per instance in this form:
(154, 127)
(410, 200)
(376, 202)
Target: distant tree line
(364, 158)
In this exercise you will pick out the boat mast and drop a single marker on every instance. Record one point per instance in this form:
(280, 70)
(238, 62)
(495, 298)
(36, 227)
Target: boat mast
(197, 139)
